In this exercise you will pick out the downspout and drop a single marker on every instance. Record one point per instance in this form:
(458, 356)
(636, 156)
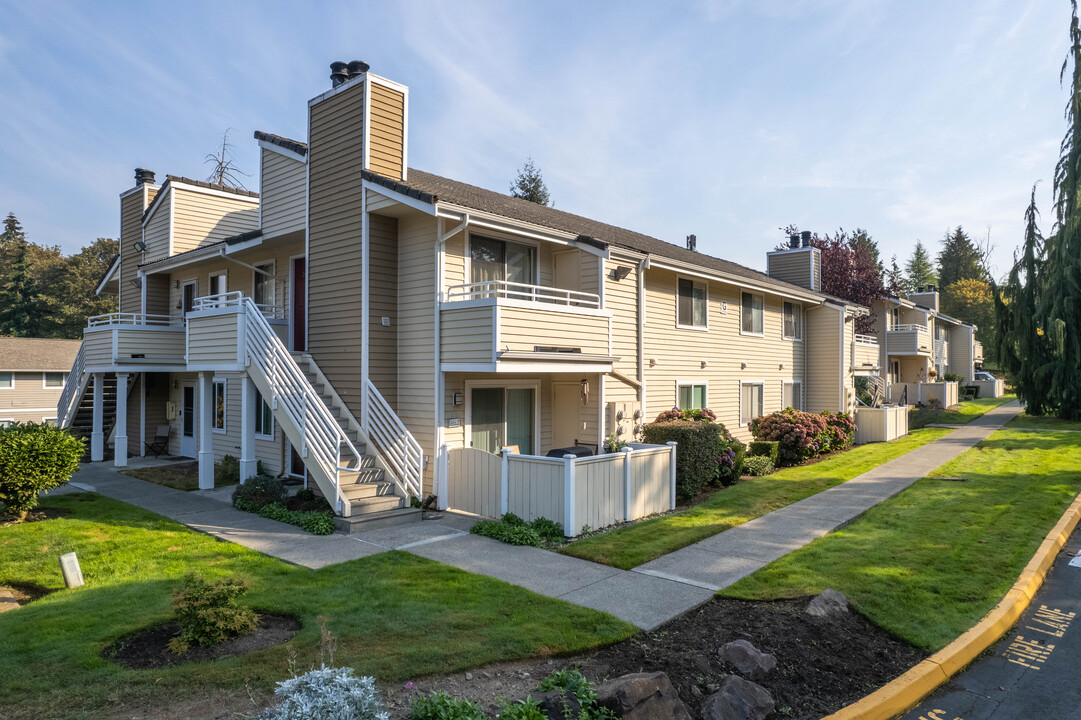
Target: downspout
(364, 319)
(439, 484)
(643, 265)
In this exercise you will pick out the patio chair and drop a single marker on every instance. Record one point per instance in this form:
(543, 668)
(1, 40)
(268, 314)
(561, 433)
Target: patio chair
(160, 443)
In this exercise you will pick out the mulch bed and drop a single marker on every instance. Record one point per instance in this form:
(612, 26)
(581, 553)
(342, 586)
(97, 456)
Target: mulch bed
(146, 649)
(46, 513)
(822, 664)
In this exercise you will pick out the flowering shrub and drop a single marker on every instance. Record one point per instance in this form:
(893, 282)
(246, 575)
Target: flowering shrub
(800, 435)
(841, 429)
(328, 693)
(703, 415)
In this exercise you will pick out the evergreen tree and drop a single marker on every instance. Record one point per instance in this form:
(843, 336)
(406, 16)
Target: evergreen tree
(894, 279)
(959, 259)
(529, 185)
(919, 269)
(17, 292)
(863, 242)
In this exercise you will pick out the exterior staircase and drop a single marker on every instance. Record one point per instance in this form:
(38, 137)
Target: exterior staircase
(82, 422)
(372, 498)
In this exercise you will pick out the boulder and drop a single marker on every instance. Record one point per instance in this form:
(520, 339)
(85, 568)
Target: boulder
(748, 660)
(738, 699)
(642, 696)
(826, 603)
(559, 705)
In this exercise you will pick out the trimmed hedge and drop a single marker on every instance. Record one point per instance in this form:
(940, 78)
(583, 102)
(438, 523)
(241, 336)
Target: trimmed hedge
(802, 435)
(758, 465)
(265, 496)
(34, 458)
(765, 448)
(696, 454)
(513, 530)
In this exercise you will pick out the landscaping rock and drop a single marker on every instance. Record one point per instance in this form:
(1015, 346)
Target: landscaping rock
(642, 696)
(826, 603)
(559, 705)
(738, 699)
(751, 662)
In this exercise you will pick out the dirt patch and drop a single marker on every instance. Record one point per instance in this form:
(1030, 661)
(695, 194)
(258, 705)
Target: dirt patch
(45, 513)
(180, 476)
(147, 649)
(16, 594)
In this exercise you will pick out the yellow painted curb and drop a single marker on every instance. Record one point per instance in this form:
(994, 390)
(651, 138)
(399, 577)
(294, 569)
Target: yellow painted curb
(906, 691)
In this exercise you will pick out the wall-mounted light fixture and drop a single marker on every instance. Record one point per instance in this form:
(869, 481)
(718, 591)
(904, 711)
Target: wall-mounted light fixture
(139, 246)
(585, 391)
(458, 398)
(177, 286)
(621, 272)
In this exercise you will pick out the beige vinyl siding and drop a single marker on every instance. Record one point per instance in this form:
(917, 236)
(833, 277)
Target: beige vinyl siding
(98, 348)
(910, 342)
(960, 353)
(156, 229)
(523, 329)
(131, 231)
(621, 299)
(335, 227)
(679, 352)
(28, 396)
(416, 332)
(466, 335)
(821, 328)
(454, 261)
(201, 218)
(213, 339)
(378, 201)
(282, 193)
(589, 273)
(387, 132)
(794, 266)
(157, 294)
(816, 256)
(152, 344)
(866, 355)
(383, 339)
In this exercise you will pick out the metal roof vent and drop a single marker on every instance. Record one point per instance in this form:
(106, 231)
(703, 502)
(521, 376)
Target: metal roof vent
(144, 176)
(692, 243)
(793, 241)
(338, 73)
(805, 237)
(357, 67)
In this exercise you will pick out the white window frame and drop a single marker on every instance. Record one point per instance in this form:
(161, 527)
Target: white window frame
(217, 274)
(505, 385)
(194, 282)
(273, 279)
(749, 333)
(744, 383)
(45, 379)
(224, 405)
(467, 275)
(7, 422)
(694, 282)
(11, 380)
(798, 309)
(691, 384)
(260, 401)
(790, 382)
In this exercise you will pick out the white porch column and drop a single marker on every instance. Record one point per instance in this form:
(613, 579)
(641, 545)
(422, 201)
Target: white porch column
(97, 435)
(206, 441)
(120, 439)
(248, 409)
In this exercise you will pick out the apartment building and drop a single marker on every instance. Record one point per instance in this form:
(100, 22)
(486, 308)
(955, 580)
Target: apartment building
(359, 321)
(32, 376)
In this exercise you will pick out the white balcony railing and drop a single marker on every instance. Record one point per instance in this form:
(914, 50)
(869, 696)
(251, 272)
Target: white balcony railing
(133, 319)
(521, 291)
(235, 299)
(867, 340)
(909, 328)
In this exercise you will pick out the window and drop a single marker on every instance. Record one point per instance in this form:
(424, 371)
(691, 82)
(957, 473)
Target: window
(750, 402)
(690, 303)
(190, 290)
(792, 395)
(263, 285)
(895, 317)
(498, 260)
(6, 423)
(692, 397)
(53, 380)
(793, 321)
(751, 314)
(7, 381)
(501, 416)
(219, 406)
(264, 417)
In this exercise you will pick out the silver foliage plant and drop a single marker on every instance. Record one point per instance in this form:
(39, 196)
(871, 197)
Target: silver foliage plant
(328, 693)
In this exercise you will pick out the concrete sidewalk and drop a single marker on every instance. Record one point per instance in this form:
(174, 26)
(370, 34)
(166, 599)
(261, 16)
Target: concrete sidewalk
(723, 559)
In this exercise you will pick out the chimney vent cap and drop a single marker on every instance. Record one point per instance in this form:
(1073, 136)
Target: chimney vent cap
(793, 241)
(338, 73)
(357, 67)
(805, 237)
(144, 176)
(692, 243)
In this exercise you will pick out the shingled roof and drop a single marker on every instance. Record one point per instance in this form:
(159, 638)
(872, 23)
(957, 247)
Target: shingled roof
(284, 142)
(18, 353)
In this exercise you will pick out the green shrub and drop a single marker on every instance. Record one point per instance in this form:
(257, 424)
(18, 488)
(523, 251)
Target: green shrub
(572, 682)
(513, 530)
(227, 472)
(34, 458)
(315, 522)
(841, 429)
(702, 415)
(696, 454)
(440, 706)
(730, 455)
(766, 448)
(549, 530)
(758, 465)
(209, 613)
(528, 709)
(952, 377)
(258, 491)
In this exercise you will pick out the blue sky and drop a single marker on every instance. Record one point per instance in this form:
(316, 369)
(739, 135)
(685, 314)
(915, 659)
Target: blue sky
(721, 118)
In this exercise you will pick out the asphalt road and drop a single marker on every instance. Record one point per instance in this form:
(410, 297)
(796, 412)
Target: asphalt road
(1035, 670)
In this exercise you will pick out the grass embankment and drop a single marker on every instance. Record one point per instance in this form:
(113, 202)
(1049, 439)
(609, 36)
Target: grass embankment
(929, 563)
(630, 546)
(396, 616)
(961, 414)
(1039, 422)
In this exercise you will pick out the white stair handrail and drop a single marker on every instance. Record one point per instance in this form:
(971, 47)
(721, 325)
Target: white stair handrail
(393, 441)
(73, 387)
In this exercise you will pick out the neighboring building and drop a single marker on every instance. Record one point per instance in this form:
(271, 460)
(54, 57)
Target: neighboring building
(32, 376)
(359, 320)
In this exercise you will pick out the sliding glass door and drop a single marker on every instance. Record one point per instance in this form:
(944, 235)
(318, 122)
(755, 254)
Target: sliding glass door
(502, 416)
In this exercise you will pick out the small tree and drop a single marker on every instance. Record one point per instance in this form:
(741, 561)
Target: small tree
(894, 279)
(34, 458)
(225, 171)
(529, 185)
(919, 270)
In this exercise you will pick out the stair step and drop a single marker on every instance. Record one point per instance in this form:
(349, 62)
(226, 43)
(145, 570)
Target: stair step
(374, 504)
(365, 474)
(374, 521)
(368, 490)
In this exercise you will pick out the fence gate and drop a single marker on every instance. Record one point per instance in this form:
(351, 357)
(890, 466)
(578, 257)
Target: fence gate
(474, 481)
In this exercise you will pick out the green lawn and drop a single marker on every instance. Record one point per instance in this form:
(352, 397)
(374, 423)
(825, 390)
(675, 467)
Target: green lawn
(396, 616)
(965, 412)
(180, 476)
(630, 546)
(1036, 422)
(929, 563)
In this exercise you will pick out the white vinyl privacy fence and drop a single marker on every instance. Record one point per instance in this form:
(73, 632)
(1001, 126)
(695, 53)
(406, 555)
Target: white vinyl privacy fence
(592, 492)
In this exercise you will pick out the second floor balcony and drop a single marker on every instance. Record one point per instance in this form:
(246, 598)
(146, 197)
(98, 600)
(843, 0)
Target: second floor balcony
(909, 340)
(865, 354)
(500, 326)
(977, 351)
(118, 341)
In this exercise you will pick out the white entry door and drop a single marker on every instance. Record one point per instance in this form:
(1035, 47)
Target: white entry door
(566, 418)
(188, 413)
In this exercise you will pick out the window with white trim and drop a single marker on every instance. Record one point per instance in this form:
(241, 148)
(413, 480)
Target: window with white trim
(752, 311)
(263, 285)
(691, 397)
(690, 303)
(218, 419)
(6, 423)
(53, 380)
(792, 395)
(751, 401)
(492, 260)
(7, 380)
(264, 417)
(792, 322)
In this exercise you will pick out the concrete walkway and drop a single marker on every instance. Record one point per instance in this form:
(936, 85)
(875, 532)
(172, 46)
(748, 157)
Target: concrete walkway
(646, 596)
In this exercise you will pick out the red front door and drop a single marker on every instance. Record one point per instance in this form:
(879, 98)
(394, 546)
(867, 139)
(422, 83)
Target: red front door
(298, 312)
